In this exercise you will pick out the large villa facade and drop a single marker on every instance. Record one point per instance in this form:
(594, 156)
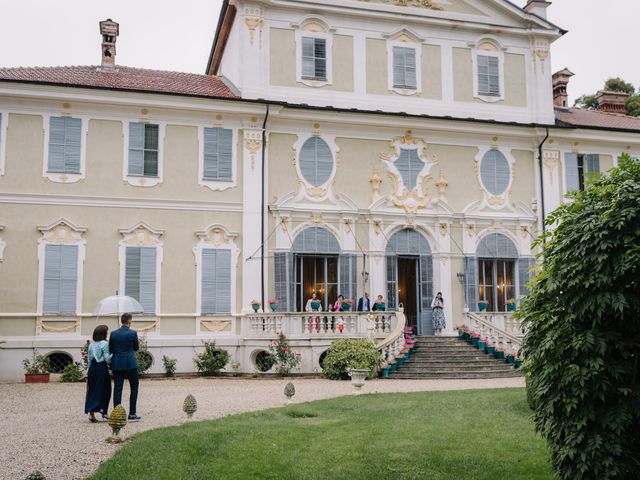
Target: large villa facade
(401, 147)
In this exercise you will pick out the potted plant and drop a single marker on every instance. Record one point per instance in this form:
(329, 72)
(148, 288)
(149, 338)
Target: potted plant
(37, 369)
(346, 304)
(255, 304)
(273, 304)
(491, 349)
(511, 305)
(499, 354)
(483, 305)
(482, 343)
(518, 361)
(509, 358)
(475, 338)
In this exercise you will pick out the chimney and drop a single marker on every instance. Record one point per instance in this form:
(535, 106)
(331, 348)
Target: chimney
(109, 31)
(612, 102)
(537, 7)
(560, 82)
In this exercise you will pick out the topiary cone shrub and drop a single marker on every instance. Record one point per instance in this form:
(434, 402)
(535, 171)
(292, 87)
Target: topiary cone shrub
(189, 406)
(582, 323)
(117, 421)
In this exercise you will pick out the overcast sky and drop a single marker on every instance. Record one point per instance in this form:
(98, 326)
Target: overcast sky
(177, 35)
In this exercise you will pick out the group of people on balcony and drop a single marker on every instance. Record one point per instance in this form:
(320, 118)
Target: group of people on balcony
(341, 304)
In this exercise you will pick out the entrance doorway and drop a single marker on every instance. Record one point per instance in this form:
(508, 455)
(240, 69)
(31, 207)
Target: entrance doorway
(317, 274)
(408, 289)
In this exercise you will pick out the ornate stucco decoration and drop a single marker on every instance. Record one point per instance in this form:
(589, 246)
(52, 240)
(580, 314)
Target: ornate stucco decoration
(217, 235)
(443, 229)
(377, 225)
(306, 190)
(254, 19)
(539, 53)
(442, 186)
(141, 235)
(551, 161)
(491, 198)
(416, 3)
(316, 219)
(62, 232)
(410, 198)
(375, 181)
(252, 142)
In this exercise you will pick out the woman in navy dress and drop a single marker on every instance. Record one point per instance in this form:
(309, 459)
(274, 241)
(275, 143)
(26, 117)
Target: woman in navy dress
(98, 378)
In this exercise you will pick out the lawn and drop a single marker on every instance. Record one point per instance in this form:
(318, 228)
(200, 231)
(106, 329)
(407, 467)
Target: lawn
(472, 434)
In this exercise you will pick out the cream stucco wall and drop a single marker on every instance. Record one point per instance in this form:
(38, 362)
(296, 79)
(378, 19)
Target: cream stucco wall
(463, 190)
(377, 82)
(606, 163)
(431, 72)
(523, 188)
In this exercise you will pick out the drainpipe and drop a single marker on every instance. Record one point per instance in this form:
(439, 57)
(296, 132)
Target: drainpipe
(542, 209)
(262, 212)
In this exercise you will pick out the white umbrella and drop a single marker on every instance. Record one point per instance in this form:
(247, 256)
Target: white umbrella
(117, 304)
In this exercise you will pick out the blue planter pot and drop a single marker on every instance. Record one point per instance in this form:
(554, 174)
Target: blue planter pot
(385, 373)
(481, 345)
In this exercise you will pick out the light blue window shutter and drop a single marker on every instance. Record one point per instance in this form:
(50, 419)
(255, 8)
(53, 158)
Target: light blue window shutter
(132, 272)
(398, 67)
(73, 135)
(392, 282)
(148, 279)
(316, 161)
(409, 165)
(410, 68)
(208, 293)
(471, 282)
(571, 171)
(426, 294)
(525, 273)
(223, 281)
(308, 57)
(68, 278)
(211, 149)
(51, 294)
(347, 278)
(56, 162)
(151, 142)
(495, 172)
(136, 149)
(592, 163)
(483, 75)
(225, 155)
(320, 52)
(494, 76)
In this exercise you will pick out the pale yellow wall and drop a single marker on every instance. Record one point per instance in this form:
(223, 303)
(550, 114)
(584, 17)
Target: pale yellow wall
(178, 326)
(463, 189)
(523, 188)
(18, 327)
(606, 163)
(104, 164)
(431, 72)
(515, 77)
(283, 178)
(377, 80)
(18, 288)
(282, 55)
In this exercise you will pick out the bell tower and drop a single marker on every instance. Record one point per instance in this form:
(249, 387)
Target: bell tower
(109, 31)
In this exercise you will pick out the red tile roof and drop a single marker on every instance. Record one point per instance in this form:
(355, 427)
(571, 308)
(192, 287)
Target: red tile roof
(579, 117)
(122, 78)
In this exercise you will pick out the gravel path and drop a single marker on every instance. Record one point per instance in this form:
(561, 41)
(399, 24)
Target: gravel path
(42, 427)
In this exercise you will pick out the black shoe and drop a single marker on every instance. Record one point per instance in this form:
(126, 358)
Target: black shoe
(93, 419)
(133, 418)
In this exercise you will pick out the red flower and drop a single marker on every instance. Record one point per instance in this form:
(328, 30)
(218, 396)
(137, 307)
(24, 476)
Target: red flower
(284, 349)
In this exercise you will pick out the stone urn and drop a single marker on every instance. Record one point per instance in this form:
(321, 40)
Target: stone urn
(358, 377)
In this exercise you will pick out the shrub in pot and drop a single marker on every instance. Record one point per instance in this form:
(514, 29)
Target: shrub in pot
(37, 368)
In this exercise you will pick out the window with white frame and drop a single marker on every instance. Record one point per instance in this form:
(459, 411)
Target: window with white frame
(314, 58)
(316, 161)
(144, 139)
(65, 144)
(60, 280)
(495, 172)
(409, 164)
(218, 155)
(215, 281)
(140, 276)
(580, 168)
(404, 68)
(488, 75)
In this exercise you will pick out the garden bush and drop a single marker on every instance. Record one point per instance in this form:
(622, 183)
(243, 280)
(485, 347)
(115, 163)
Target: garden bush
(582, 319)
(345, 354)
(169, 366)
(143, 357)
(73, 372)
(212, 360)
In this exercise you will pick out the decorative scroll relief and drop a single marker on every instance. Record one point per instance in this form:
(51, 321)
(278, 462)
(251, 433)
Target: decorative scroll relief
(62, 232)
(217, 236)
(216, 325)
(44, 325)
(254, 19)
(414, 3)
(141, 235)
(252, 143)
(551, 160)
(410, 198)
(539, 53)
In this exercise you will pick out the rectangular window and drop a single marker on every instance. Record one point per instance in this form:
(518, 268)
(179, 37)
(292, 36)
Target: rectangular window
(314, 58)
(218, 154)
(60, 279)
(216, 281)
(143, 149)
(496, 283)
(580, 168)
(404, 68)
(64, 145)
(140, 276)
(488, 76)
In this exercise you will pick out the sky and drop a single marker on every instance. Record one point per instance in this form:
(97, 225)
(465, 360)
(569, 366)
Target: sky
(176, 35)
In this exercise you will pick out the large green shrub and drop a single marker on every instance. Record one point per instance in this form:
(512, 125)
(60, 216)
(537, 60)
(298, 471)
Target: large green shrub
(212, 360)
(583, 331)
(143, 357)
(73, 372)
(345, 354)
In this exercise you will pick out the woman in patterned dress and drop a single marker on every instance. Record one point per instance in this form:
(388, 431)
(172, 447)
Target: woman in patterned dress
(438, 314)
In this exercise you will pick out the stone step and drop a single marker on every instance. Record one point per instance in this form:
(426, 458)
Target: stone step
(457, 360)
(449, 353)
(453, 376)
(456, 368)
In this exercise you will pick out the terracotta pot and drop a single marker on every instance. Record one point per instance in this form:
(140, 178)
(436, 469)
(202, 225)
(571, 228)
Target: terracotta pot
(36, 377)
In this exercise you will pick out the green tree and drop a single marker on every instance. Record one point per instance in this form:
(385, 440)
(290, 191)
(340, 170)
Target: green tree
(632, 105)
(582, 319)
(586, 101)
(619, 85)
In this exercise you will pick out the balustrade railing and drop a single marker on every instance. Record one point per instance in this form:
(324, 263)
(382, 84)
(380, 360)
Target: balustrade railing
(502, 330)
(392, 345)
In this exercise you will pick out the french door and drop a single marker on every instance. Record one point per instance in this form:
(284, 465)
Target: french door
(496, 281)
(317, 274)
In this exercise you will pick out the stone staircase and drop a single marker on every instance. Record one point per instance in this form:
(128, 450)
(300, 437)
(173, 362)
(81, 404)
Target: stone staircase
(451, 358)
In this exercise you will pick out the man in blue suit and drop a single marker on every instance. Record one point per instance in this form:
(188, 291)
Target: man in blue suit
(123, 343)
(364, 304)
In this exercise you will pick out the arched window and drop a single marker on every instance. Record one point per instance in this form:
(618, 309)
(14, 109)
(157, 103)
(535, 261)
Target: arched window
(495, 172)
(409, 165)
(316, 161)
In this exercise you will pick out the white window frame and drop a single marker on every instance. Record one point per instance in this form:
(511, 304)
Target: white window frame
(142, 235)
(497, 52)
(4, 123)
(2, 245)
(495, 201)
(58, 177)
(335, 152)
(142, 181)
(216, 237)
(417, 46)
(328, 37)
(61, 232)
(218, 185)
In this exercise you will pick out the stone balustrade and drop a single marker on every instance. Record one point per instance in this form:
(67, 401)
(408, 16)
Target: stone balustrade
(501, 329)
